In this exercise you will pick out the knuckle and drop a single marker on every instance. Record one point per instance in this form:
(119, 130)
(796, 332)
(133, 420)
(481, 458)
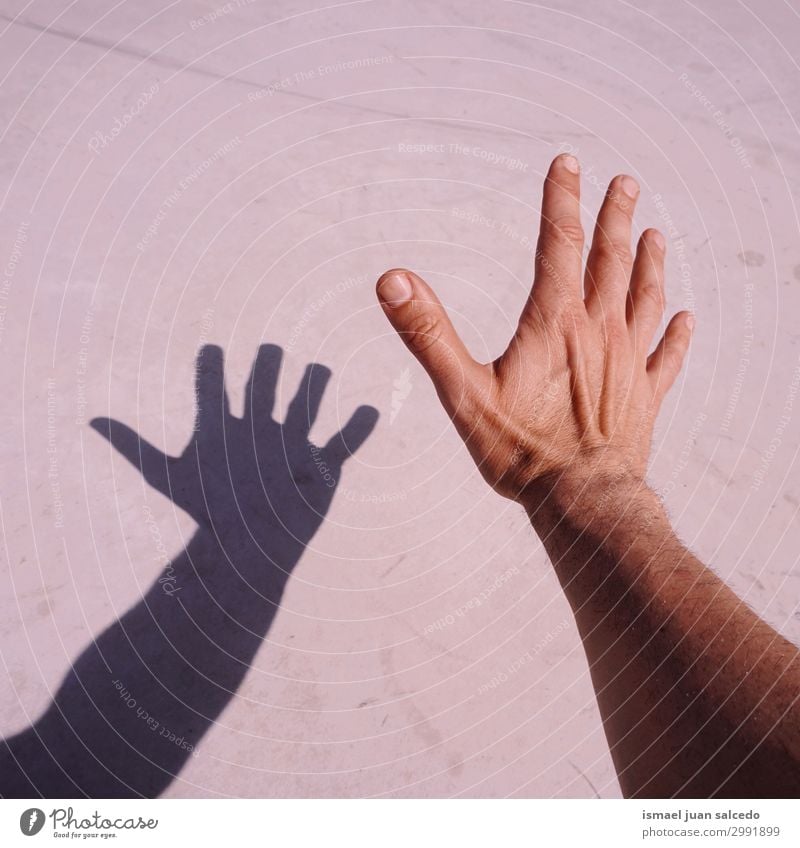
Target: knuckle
(673, 350)
(650, 295)
(622, 253)
(614, 252)
(565, 229)
(673, 362)
(471, 407)
(423, 331)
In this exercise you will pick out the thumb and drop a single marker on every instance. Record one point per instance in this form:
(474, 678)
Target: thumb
(153, 464)
(422, 322)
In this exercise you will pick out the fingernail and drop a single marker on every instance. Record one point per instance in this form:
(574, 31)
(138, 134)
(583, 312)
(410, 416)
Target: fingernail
(690, 321)
(571, 164)
(630, 186)
(394, 288)
(658, 240)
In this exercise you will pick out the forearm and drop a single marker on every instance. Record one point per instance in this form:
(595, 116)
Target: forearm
(698, 695)
(140, 697)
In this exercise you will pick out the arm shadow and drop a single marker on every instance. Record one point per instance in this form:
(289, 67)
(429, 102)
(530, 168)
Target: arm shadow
(138, 700)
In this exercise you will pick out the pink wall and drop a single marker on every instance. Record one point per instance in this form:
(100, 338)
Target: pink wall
(179, 176)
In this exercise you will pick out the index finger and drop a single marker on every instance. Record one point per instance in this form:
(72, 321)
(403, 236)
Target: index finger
(559, 251)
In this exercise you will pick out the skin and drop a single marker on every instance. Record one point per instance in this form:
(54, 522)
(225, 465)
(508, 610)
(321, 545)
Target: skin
(699, 697)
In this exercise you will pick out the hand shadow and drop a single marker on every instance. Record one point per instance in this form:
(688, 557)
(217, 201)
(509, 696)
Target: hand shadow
(139, 698)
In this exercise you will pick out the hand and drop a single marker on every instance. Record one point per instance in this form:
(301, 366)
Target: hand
(250, 476)
(577, 387)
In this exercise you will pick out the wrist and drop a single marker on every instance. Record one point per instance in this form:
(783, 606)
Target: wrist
(603, 532)
(590, 494)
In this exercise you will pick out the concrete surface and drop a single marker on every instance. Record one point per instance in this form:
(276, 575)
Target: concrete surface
(190, 173)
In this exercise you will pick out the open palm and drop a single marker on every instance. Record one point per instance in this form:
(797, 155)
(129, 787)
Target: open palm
(251, 476)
